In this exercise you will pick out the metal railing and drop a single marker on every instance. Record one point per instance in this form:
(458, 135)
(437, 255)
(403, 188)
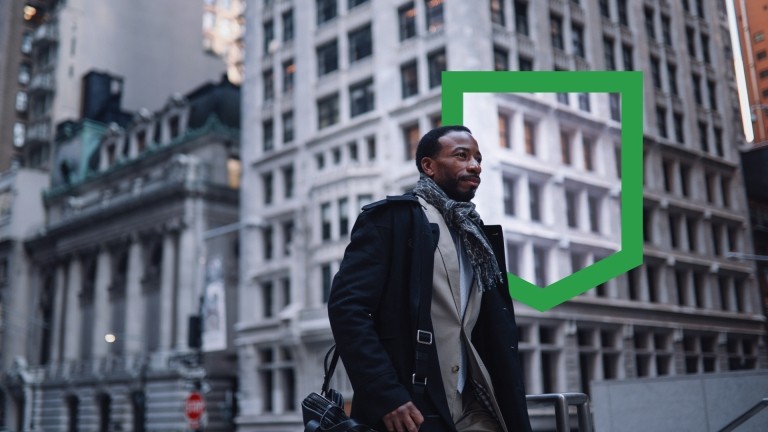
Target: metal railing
(562, 401)
(738, 421)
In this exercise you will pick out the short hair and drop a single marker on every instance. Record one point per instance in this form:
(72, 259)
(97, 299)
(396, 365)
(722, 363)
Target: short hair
(429, 145)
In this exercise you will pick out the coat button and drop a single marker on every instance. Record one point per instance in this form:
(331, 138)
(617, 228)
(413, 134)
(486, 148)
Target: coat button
(455, 369)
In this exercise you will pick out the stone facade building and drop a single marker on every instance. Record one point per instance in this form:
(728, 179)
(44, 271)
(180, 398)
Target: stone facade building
(118, 266)
(335, 98)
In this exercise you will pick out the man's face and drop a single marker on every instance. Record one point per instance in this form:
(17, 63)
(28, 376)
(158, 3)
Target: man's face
(456, 167)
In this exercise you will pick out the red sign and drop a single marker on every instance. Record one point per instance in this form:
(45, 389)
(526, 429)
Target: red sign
(194, 409)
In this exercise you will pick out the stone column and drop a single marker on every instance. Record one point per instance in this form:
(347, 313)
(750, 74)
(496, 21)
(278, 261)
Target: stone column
(101, 306)
(167, 293)
(134, 305)
(59, 303)
(71, 331)
(188, 286)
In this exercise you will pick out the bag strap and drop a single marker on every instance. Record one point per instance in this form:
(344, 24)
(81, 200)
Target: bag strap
(424, 331)
(329, 369)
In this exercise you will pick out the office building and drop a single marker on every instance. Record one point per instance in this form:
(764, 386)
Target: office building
(118, 267)
(331, 118)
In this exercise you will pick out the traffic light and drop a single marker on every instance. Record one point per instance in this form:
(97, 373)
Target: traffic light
(194, 332)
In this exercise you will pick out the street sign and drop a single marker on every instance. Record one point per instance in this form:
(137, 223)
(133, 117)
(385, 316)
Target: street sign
(194, 409)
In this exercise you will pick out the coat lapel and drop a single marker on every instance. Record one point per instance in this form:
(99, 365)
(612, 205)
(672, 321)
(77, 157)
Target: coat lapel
(448, 267)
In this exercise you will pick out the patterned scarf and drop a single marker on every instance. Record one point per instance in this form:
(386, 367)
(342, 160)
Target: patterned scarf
(461, 218)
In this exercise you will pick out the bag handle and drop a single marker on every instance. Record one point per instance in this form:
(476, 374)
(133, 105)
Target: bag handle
(329, 370)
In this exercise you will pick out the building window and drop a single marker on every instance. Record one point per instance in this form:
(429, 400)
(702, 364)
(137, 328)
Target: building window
(513, 258)
(288, 25)
(336, 155)
(343, 216)
(25, 72)
(719, 141)
(562, 98)
(287, 245)
(614, 101)
(589, 159)
(626, 55)
(269, 246)
(504, 131)
(289, 71)
(26, 42)
(691, 41)
(705, 48)
(360, 43)
(556, 31)
(521, 17)
(742, 352)
(565, 148)
(534, 195)
(500, 59)
(269, 35)
(354, 3)
(661, 121)
(571, 209)
(325, 221)
(650, 29)
(21, 101)
(524, 63)
(540, 265)
(593, 203)
(677, 118)
(584, 104)
(655, 72)
(509, 185)
(268, 135)
(703, 137)
(434, 15)
(529, 136)
(622, 10)
(328, 111)
(361, 98)
(409, 79)
(712, 91)
(497, 12)
(666, 31)
(725, 190)
(278, 379)
(437, 64)
(352, 151)
(700, 353)
(320, 161)
(267, 187)
(327, 58)
(605, 9)
(326, 279)
(577, 35)
(691, 229)
(326, 10)
(672, 76)
(668, 173)
(696, 83)
(370, 144)
(411, 138)
(269, 85)
(288, 181)
(608, 55)
(288, 126)
(406, 16)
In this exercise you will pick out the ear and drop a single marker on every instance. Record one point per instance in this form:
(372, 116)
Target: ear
(428, 166)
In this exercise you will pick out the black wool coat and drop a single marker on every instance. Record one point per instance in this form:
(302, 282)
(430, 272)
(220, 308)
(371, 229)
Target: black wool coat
(373, 309)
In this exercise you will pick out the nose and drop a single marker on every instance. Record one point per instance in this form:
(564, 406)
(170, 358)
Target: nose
(474, 166)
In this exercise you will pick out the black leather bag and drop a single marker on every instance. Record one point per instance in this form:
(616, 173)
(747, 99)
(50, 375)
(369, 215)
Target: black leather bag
(324, 411)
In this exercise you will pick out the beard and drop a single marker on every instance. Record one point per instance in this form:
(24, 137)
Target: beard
(451, 188)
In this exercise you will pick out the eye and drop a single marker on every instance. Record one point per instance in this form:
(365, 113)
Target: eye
(461, 155)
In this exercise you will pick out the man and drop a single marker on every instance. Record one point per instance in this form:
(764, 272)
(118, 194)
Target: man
(420, 310)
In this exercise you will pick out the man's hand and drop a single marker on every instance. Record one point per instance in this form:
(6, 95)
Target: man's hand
(406, 418)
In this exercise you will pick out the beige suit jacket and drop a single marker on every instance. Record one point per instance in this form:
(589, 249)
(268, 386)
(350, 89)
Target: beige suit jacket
(448, 325)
